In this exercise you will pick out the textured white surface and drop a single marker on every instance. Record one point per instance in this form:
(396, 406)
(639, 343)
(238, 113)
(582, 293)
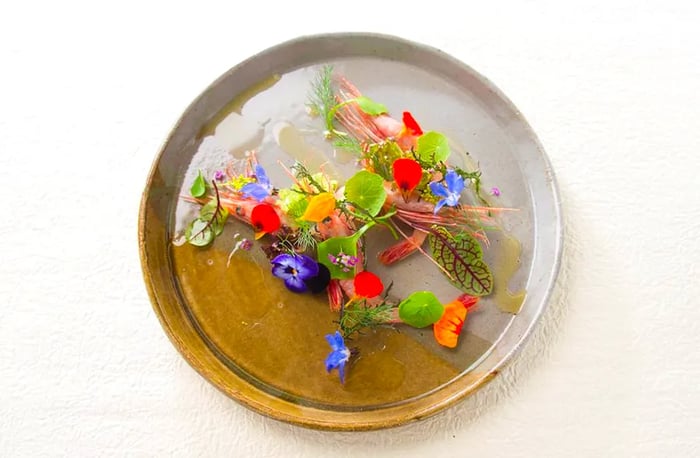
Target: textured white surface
(88, 93)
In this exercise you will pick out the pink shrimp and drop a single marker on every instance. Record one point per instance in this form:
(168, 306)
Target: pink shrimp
(374, 128)
(241, 207)
(420, 216)
(338, 225)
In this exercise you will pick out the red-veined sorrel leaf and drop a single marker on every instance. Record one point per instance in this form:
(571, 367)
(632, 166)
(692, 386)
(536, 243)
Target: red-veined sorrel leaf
(461, 256)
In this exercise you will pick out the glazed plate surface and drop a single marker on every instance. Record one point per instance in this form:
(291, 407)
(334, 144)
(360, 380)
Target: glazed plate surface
(260, 344)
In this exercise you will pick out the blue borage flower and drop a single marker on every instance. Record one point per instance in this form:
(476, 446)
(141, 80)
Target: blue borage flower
(339, 355)
(294, 269)
(261, 188)
(450, 194)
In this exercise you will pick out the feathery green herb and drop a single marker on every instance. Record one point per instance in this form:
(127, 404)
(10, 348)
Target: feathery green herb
(356, 317)
(322, 98)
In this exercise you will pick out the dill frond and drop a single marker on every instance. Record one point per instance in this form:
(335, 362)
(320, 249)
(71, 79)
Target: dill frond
(305, 237)
(322, 97)
(348, 143)
(302, 174)
(358, 317)
(475, 178)
(381, 156)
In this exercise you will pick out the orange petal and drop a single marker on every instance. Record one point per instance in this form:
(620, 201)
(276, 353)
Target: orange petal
(321, 206)
(448, 328)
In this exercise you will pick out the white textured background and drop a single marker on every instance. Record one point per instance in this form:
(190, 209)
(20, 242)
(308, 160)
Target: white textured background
(89, 92)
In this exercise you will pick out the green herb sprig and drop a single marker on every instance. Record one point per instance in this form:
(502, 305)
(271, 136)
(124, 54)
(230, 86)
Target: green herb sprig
(358, 316)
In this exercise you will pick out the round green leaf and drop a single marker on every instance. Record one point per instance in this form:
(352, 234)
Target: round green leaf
(366, 189)
(421, 309)
(432, 147)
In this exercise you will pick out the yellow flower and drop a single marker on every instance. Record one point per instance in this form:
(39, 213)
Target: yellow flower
(320, 207)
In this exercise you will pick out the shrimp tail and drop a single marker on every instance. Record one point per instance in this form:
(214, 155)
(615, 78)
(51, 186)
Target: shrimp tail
(402, 249)
(335, 295)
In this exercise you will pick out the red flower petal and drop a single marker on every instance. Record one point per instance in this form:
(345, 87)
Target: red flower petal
(407, 174)
(367, 285)
(264, 219)
(468, 301)
(411, 124)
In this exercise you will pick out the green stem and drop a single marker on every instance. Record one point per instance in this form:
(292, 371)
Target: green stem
(333, 111)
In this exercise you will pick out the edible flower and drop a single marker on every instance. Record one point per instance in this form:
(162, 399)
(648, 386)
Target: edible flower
(367, 285)
(294, 269)
(450, 194)
(264, 219)
(345, 261)
(339, 355)
(261, 188)
(407, 175)
(219, 175)
(410, 125)
(319, 282)
(449, 327)
(320, 207)
(495, 192)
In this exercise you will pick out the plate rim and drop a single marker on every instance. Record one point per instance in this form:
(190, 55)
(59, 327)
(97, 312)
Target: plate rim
(426, 405)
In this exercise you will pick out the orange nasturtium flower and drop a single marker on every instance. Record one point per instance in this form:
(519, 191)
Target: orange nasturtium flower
(264, 219)
(449, 327)
(321, 206)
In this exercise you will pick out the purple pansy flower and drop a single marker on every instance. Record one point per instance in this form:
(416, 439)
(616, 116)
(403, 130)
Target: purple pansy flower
(294, 269)
(261, 188)
(450, 194)
(338, 356)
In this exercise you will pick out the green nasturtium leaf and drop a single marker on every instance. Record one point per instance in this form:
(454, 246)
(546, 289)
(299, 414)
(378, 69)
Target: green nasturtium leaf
(199, 187)
(421, 309)
(366, 189)
(461, 256)
(432, 147)
(369, 106)
(198, 234)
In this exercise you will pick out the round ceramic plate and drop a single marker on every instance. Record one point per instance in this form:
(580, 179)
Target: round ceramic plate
(264, 346)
